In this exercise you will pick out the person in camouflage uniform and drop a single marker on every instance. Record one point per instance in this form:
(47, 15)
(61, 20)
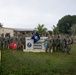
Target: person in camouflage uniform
(49, 44)
(23, 42)
(61, 41)
(69, 43)
(15, 38)
(64, 44)
(58, 43)
(54, 42)
(20, 42)
(6, 42)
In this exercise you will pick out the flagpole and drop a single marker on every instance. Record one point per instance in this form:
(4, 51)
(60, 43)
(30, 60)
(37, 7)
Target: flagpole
(53, 29)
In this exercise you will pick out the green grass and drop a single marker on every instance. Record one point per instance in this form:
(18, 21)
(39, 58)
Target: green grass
(23, 63)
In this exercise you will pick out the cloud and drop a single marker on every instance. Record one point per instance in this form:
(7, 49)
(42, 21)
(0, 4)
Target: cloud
(28, 13)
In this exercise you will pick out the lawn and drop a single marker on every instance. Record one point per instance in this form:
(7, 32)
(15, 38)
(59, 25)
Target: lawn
(15, 62)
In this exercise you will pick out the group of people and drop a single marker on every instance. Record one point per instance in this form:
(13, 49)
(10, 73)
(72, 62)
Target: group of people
(19, 38)
(59, 43)
(54, 42)
(5, 41)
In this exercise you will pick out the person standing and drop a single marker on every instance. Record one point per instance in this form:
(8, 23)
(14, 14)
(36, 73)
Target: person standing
(61, 41)
(49, 44)
(69, 43)
(54, 42)
(58, 43)
(6, 42)
(64, 44)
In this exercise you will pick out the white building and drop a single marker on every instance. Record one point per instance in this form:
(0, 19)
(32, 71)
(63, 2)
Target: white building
(6, 31)
(11, 31)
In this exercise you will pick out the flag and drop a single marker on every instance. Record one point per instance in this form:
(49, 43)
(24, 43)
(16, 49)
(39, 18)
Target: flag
(54, 26)
(35, 37)
(13, 45)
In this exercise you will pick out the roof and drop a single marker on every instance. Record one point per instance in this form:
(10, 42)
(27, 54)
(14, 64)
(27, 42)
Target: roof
(5, 28)
(21, 29)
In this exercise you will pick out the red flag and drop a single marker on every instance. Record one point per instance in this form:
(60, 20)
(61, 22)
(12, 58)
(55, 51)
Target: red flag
(13, 45)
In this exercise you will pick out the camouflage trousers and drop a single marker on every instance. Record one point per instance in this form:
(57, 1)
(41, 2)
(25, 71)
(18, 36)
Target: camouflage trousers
(48, 48)
(67, 49)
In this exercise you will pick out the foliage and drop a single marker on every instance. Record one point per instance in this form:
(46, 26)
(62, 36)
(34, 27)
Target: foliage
(49, 32)
(65, 23)
(73, 29)
(56, 30)
(41, 29)
(24, 63)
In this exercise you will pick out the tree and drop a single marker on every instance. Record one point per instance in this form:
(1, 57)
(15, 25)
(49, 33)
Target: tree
(65, 23)
(50, 32)
(73, 29)
(41, 29)
(56, 30)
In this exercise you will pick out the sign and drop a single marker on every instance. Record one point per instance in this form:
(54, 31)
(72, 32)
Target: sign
(39, 45)
(29, 44)
(45, 44)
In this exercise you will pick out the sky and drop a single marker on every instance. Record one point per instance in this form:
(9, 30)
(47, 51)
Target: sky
(29, 13)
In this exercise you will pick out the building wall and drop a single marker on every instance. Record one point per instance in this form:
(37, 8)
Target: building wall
(6, 30)
(12, 31)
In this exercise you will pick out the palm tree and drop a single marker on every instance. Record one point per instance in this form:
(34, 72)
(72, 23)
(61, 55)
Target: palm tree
(41, 29)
